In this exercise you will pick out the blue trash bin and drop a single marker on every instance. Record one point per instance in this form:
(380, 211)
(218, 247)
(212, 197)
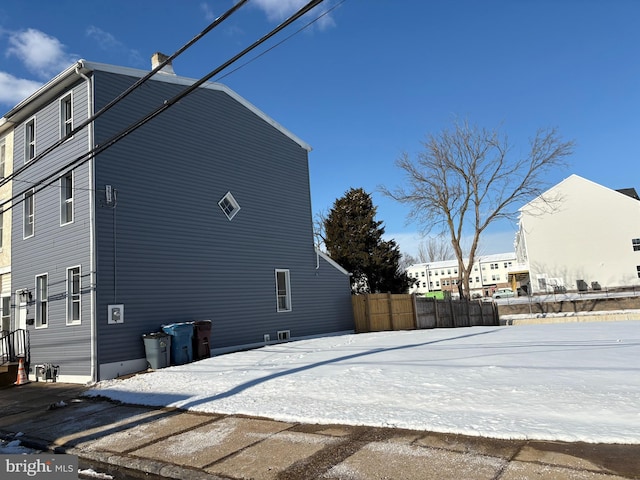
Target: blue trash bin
(181, 342)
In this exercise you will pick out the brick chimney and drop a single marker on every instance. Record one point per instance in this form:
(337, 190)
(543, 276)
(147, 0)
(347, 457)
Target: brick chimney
(157, 58)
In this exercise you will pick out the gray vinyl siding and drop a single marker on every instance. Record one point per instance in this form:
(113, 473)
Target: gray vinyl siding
(54, 248)
(177, 256)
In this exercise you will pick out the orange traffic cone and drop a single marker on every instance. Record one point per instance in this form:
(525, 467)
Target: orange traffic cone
(22, 374)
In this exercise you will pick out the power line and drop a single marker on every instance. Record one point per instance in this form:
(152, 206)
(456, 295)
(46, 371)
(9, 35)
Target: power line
(326, 12)
(124, 94)
(80, 160)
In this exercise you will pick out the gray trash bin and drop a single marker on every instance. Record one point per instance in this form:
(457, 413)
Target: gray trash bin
(157, 347)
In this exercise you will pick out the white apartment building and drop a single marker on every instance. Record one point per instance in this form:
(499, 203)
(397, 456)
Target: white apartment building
(489, 273)
(590, 241)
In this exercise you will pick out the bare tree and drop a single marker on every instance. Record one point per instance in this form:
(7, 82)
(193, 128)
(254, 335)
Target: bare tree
(467, 177)
(435, 249)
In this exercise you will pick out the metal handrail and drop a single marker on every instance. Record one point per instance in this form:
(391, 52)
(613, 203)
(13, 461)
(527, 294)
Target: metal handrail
(14, 345)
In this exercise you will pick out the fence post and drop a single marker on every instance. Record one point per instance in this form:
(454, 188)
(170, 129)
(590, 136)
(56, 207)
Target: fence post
(367, 312)
(415, 312)
(435, 311)
(391, 313)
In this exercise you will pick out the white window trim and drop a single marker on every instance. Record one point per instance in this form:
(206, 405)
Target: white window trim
(24, 214)
(70, 300)
(64, 200)
(3, 158)
(287, 293)
(62, 121)
(39, 301)
(27, 144)
(236, 206)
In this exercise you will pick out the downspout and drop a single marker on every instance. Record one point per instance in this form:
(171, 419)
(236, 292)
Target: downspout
(92, 228)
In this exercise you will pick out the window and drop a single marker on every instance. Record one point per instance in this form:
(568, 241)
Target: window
(30, 140)
(66, 199)
(1, 227)
(636, 244)
(42, 304)
(422, 274)
(5, 324)
(283, 291)
(229, 205)
(73, 295)
(477, 279)
(28, 208)
(66, 116)
(638, 268)
(3, 157)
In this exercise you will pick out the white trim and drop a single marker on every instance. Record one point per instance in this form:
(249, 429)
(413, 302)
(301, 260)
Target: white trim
(3, 157)
(228, 197)
(65, 79)
(64, 201)
(27, 144)
(331, 261)
(38, 301)
(61, 115)
(70, 301)
(287, 295)
(24, 213)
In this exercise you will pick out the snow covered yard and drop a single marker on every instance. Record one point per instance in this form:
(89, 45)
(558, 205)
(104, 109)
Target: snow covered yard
(569, 382)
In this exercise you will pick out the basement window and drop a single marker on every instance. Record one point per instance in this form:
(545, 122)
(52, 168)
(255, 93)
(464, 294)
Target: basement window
(284, 335)
(229, 205)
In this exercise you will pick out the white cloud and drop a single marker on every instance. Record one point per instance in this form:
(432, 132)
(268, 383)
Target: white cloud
(13, 90)
(109, 43)
(278, 10)
(208, 13)
(41, 54)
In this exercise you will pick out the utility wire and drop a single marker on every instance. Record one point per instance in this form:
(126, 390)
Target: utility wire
(124, 94)
(326, 12)
(80, 160)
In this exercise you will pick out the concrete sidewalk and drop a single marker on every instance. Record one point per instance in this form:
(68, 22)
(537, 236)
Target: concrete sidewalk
(183, 445)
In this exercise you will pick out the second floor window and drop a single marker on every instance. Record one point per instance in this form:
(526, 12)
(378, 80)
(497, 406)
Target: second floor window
(30, 140)
(66, 116)
(636, 244)
(28, 214)
(73, 295)
(3, 154)
(66, 199)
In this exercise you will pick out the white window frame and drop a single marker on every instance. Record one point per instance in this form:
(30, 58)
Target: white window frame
(66, 202)
(29, 214)
(229, 205)
(42, 301)
(5, 301)
(3, 157)
(64, 120)
(74, 297)
(29, 142)
(283, 295)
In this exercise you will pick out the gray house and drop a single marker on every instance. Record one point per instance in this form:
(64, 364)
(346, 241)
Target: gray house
(202, 213)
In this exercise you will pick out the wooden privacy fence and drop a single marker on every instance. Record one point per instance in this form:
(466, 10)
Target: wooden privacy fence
(377, 312)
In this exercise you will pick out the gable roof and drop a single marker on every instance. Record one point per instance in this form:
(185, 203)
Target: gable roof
(573, 178)
(61, 82)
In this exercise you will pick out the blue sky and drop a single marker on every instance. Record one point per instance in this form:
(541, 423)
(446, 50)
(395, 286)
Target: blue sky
(372, 78)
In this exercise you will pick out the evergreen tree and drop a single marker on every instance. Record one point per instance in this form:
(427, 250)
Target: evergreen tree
(353, 238)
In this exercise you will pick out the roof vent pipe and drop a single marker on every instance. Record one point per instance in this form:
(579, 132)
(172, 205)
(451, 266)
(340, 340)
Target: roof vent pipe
(157, 58)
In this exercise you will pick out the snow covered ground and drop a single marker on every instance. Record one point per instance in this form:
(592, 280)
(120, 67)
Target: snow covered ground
(569, 382)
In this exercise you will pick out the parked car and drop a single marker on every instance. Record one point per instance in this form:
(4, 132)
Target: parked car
(503, 293)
